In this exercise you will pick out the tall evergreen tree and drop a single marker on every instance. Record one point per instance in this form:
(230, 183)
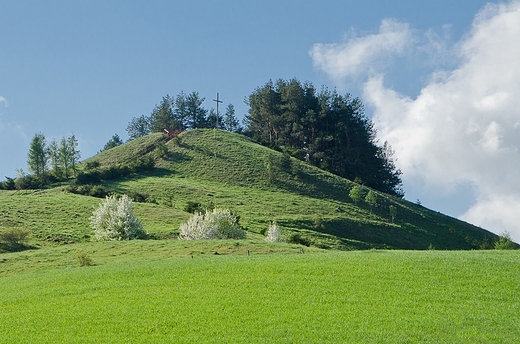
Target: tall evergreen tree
(75, 154)
(37, 158)
(196, 114)
(162, 116)
(230, 122)
(54, 157)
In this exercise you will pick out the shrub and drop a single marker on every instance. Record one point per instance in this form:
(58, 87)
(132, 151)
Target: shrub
(356, 193)
(297, 238)
(15, 237)
(274, 233)
(193, 207)
(84, 259)
(504, 242)
(114, 219)
(215, 224)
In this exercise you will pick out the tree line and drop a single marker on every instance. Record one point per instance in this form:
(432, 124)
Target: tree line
(184, 111)
(324, 128)
(47, 163)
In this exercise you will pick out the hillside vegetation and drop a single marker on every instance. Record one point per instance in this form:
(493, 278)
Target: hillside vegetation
(214, 168)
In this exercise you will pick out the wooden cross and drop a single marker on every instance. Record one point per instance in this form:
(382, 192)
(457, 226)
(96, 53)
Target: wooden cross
(217, 101)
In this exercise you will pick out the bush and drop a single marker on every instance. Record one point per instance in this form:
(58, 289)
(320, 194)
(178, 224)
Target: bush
(114, 219)
(274, 233)
(297, 238)
(215, 224)
(84, 259)
(15, 237)
(193, 207)
(504, 242)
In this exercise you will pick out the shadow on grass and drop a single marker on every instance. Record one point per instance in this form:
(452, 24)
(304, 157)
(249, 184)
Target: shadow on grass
(7, 248)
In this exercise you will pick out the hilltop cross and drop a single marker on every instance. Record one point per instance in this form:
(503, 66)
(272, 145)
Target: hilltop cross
(217, 101)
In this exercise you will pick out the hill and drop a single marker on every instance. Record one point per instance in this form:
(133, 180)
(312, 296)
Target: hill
(213, 168)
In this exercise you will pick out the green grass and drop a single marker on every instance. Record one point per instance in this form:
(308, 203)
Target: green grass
(333, 297)
(217, 168)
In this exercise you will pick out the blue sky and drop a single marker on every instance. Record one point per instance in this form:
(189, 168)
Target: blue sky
(423, 69)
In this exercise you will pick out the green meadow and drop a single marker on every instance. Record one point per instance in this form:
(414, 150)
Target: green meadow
(347, 272)
(287, 297)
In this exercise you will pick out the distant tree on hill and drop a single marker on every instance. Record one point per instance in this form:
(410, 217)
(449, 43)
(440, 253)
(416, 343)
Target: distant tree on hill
(196, 114)
(230, 122)
(324, 128)
(162, 116)
(113, 142)
(38, 157)
(356, 193)
(138, 127)
(213, 122)
(184, 111)
(54, 157)
(69, 155)
(371, 199)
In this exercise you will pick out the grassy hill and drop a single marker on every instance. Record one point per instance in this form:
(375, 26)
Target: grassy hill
(220, 169)
(149, 291)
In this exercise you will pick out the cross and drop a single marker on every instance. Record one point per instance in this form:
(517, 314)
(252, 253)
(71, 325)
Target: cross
(217, 101)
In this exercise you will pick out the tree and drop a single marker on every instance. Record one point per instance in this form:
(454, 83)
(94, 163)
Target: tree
(230, 121)
(215, 224)
(180, 111)
(195, 113)
(393, 212)
(162, 116)
(113, 142)
(114, 220)
(73, 155)
(65, 154)
(138, 127)
(371, 199)
(214, 121)
(54, 157)
(504, 242)
(356, 193)
(37, 158)
(274, 233)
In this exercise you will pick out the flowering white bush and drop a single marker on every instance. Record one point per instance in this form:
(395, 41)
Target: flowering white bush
(216, 224)
(274, 233)
(114, 219)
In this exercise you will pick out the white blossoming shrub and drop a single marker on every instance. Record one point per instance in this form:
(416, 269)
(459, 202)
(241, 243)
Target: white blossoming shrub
(114, 219)
(274, 233)
(215, 224)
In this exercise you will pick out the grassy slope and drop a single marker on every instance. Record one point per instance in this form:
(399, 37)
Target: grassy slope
(229, 171)
(333, 297)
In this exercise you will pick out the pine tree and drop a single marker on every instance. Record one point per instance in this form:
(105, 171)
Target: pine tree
(37, 158)
(230, 121)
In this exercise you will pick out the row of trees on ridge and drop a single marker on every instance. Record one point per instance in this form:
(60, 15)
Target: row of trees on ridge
(184, 111)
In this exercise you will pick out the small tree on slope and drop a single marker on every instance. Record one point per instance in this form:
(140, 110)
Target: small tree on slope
(114, 219)
(274, 233)
(215, 224)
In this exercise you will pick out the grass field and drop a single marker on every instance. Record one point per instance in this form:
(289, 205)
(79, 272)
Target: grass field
(316, 297)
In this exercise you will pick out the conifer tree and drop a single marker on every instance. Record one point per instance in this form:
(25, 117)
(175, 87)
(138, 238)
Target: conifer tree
(37, 158)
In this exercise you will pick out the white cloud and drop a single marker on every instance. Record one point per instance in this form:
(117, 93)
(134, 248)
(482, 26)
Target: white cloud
(464, 126)
(360, 55)
(3, 103)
